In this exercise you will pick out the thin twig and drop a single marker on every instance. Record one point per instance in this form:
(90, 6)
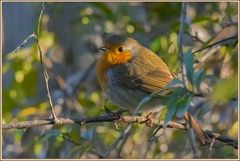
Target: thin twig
(216, 43)
(44, 70)
(195, 37)
(23, 43)
(211, 145)
(46, 78)
(180, 43)
(222, 138)
(40, 19)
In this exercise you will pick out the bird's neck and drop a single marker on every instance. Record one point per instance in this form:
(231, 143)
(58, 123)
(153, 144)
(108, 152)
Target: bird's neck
(106, 61)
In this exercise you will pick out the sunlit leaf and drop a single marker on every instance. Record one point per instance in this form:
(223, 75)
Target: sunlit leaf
(233, 132)
(74, 134)
(225, 90)
(199, 19)
(155, 44)
(28, 111)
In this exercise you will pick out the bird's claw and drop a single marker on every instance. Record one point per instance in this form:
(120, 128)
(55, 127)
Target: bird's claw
(149, 120)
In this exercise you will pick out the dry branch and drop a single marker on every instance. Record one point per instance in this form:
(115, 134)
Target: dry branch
(44, 70)
(114, 118)
(216, 43)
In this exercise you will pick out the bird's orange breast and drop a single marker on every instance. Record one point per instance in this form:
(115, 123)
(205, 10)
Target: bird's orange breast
(108, 60)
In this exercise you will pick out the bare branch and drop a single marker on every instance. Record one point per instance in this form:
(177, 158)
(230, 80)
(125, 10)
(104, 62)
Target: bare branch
(46, 78)
(23, 43)
(105, 118)
(216, 43)
(222, 138)
(40, 19)
(44, 70)
(114, 118)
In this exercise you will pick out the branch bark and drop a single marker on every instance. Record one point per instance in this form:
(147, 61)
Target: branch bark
(81, 121)
(115, 118)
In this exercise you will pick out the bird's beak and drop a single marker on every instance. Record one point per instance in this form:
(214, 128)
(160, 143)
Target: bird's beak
(103, 49)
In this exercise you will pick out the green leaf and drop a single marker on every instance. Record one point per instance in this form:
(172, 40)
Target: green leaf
(177, 101)
(171, 109)
(188, 63)
(225, 90)
(170, 113)
(174, 83)
(155, 44)
(182, 105)
(178, 92)
(104, 9)
(197, 78)
(74, 134)
(201, 19)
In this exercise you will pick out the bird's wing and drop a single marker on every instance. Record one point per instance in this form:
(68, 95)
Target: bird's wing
(154, 80)
(147, 72)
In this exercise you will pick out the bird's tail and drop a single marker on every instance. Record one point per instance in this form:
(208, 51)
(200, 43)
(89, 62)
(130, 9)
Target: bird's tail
(197, 128)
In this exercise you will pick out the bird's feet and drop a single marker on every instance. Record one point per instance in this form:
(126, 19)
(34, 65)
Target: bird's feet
(149, 120)
(117, 114)
(111, 113)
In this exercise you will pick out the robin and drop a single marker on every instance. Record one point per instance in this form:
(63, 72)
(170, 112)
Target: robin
(128, 72)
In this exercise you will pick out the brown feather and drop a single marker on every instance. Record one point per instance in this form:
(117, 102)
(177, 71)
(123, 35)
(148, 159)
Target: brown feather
(155, 74)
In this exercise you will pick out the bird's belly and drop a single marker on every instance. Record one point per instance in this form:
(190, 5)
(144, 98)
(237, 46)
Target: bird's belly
(127, 98)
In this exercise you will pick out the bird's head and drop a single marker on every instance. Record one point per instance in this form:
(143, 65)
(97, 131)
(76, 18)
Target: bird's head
(119, 49)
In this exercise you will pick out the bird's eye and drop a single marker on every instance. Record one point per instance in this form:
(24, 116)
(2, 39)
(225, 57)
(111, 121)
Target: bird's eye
(121, 49)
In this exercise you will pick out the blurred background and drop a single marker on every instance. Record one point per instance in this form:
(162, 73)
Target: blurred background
(70, 34)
